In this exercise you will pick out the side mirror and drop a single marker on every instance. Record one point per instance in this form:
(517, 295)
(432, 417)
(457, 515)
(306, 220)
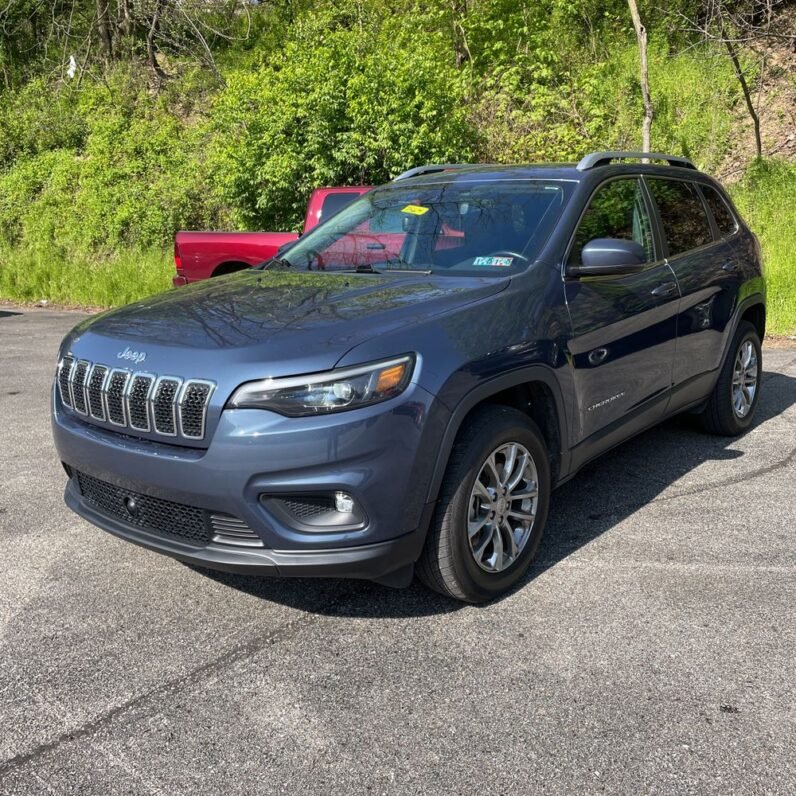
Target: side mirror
(609, 257)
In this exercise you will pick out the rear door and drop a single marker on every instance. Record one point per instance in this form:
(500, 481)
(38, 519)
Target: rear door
(707, 274)
(624, 327)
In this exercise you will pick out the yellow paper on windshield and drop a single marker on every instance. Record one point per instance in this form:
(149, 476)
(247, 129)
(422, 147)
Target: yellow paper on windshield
(415, 210)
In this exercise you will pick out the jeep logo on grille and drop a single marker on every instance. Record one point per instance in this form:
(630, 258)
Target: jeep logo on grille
(134, 356)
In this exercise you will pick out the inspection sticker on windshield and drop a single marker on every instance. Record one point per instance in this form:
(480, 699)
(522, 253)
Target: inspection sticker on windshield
(500, 262)
(415, 210)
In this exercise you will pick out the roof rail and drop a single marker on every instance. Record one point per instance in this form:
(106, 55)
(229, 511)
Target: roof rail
(594, 159)
(431, 168)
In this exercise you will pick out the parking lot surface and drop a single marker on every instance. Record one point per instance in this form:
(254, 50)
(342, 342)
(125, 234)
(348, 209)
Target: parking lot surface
(651, 649)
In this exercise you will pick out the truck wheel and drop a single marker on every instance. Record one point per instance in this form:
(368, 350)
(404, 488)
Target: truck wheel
(492, 508)
(732, 403)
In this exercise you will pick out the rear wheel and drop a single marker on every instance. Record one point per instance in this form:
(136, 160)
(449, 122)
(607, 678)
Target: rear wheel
(732, 403)
(492, 508)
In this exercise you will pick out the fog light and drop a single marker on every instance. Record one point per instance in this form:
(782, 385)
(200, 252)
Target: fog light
(318, 513)
(343, 502)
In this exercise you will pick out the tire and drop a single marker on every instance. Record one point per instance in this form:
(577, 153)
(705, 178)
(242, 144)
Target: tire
(721, 415)
(449, 563)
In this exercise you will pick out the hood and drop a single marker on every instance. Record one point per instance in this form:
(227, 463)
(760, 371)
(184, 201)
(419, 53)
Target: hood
(283, 323)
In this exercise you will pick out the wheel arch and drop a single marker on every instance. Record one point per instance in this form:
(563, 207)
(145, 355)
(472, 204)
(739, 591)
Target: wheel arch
(229, 267)
(536, 392)
(755, 313)
(752, 309)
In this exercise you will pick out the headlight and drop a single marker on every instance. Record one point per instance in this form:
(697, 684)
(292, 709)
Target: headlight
(333, 391)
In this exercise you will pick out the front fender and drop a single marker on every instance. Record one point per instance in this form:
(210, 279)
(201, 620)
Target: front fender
(480, 394)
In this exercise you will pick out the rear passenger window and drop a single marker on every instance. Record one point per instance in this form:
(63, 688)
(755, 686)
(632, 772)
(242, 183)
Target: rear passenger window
(722, 215)
(617, 210)
(334, 203)
(685, 222)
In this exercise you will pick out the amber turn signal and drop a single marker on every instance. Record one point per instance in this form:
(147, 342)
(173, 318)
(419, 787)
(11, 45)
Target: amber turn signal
(389, 379)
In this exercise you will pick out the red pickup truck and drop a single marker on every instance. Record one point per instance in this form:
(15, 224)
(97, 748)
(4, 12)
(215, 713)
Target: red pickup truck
(199, 255)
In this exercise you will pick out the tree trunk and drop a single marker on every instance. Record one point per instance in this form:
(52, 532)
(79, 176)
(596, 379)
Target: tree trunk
(125, 21)
(747, 95)
(104, 28)
(649, 111)
(460, 49)
(150, 44)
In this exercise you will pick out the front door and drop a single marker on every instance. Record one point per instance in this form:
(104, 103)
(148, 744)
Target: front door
(623, 327)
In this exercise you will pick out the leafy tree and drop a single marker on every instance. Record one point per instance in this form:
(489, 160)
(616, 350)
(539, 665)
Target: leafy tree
(337, 107)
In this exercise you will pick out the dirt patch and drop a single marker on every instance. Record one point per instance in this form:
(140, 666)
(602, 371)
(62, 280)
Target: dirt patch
(780, 341)
(775, 100)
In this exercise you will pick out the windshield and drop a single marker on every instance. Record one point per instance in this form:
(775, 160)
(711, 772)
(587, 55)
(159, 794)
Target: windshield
(462, 228)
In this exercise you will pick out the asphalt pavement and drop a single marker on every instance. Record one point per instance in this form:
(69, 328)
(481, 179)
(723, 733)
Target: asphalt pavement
(651, 649)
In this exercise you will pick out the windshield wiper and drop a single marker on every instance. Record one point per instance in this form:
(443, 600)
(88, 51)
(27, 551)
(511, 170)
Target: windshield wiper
(278, 261)
(364, 268)
(369, 269)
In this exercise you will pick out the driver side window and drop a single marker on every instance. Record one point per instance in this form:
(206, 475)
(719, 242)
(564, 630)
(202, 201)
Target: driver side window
(617, 210)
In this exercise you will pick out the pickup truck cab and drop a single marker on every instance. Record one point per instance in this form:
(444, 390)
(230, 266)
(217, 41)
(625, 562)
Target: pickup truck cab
(401, 390)
(200, 255)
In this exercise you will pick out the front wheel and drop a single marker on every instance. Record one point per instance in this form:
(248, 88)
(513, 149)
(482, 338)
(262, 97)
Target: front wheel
(492, 507)
(732, 403)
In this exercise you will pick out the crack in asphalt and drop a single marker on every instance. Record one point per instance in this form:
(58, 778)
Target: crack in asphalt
(736, 479)
(237, 653)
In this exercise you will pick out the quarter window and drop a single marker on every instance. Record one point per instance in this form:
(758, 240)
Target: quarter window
(722, 215)
(617, 210)
(685, 222)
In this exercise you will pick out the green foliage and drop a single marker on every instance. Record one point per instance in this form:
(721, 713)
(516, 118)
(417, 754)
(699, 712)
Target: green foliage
(125, 171)
(335, 107)
(765, 199)
(37, 119)
(29, 275)
(304, 93)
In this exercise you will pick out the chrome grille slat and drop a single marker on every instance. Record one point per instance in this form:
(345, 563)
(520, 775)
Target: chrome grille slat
(64, 373)
(94, 389)
(165, 405)
(115, 389)
(136, 400)
(194, 398)
(78, 386)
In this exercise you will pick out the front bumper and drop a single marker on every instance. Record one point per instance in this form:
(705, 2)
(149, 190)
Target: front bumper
(389, 562)
(382, 455)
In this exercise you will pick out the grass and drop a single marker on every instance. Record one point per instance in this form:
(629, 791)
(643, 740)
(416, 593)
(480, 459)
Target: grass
(28, 275)
(765, 198)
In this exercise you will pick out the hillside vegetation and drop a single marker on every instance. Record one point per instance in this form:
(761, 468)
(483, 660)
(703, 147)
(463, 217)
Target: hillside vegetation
(226, 114)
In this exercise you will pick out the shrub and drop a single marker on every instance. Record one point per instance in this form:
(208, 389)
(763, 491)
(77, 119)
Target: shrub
(335, 107)
(765, 199)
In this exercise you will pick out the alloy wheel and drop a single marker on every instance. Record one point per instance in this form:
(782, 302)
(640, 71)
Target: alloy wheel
(502, 507)
(744, 379)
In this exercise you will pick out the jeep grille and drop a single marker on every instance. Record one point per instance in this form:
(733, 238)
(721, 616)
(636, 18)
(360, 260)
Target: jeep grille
(165, 405)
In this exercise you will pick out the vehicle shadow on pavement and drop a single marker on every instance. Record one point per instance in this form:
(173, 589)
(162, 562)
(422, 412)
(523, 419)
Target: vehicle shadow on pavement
(597, 499)
(8, 313)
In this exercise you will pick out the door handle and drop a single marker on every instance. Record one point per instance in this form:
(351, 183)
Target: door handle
(666, 289)
(730, 266)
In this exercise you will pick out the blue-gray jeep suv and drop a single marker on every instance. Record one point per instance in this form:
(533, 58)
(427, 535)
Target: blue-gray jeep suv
(403, 387)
